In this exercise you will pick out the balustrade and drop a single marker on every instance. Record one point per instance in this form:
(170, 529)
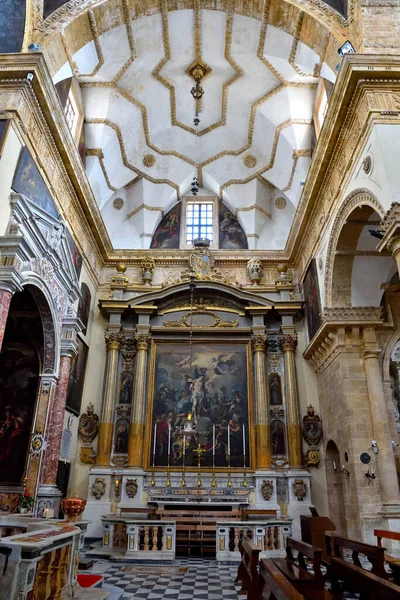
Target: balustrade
(269, 537)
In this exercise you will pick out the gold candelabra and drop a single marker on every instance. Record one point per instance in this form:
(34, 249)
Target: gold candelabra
(244, 472)
(199, 451)
(183, 480)
(229, 484)
(168, 480)
(213, 481)
(153, 471)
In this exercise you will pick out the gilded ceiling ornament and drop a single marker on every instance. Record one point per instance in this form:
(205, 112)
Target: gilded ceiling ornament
(118, 203)
(88, 427)
(267, 489)
(312, 427)
(99, 487)
(367, 165)
(131, 487)
(280, 203)
(149, 160)
(300, 489)
(250, 161)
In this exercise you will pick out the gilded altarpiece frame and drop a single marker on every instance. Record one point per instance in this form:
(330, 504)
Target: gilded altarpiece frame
(222, 375)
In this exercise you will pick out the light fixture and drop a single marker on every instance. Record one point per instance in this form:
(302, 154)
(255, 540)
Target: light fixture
(346, 48)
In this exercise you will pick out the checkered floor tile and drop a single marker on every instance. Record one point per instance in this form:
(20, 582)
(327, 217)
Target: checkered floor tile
(204, 580)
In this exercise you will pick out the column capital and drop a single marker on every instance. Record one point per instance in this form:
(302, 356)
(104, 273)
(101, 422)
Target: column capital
(114, 339)
(259, 343)
(142, 341)
(288, 342)
(371, 353)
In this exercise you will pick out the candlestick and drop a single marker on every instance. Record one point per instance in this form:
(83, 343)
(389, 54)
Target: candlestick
(229, 484)
(169, 438)
(153, 471)
(229, 440)
(183, 480)
(168, 480)
(213, 440)
(244, 472)
(244, 442)
(155, 438)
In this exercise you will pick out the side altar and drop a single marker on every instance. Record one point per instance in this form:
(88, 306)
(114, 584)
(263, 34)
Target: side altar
(200, 402)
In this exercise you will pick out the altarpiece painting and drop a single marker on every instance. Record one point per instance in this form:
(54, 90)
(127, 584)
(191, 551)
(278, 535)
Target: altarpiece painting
(312, 299)
(216, 403)
(77, 378)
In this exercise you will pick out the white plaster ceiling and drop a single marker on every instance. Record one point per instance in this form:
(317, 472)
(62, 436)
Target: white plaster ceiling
(258, 101)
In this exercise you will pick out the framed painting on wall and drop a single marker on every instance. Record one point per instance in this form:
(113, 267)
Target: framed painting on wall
(29, 182)
(217, 404)
(77, 378)
(312, 299)
(84, 306)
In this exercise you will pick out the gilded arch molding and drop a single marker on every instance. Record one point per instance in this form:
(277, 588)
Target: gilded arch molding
(358, 197)
(42, 30)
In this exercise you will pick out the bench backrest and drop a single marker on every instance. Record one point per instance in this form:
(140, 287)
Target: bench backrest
(248, 569)
(369, 586)
(274, 585)
(375, 554)
(387, 535)
(305, 550)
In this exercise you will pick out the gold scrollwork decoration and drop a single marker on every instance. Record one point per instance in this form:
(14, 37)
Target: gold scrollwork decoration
(218, 322)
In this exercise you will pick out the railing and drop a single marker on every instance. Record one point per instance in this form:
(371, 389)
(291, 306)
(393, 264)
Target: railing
(269, 537)
(142, 540)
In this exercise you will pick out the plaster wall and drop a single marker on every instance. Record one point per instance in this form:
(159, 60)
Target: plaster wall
(8, 163)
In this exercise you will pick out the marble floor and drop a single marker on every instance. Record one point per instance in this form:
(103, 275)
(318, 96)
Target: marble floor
(187, 579)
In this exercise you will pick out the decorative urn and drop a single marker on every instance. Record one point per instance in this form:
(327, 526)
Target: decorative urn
(73, 507)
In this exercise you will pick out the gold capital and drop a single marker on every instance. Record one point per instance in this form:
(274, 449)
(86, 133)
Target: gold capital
(142, 341)
(114, 340)
(288, 342)
(259, 343)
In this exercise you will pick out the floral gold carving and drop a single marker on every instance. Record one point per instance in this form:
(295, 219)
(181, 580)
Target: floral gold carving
(267, 489)
(312, 458)
(280, 203)
(288, 343)
(250, 161)
(259, 343)
(186, 320)
(88, 427)
(277, 413)
(147, 267)
(300, 489)
(120, 460)
(142, 341)
(114, 340)
(87, 456)
(254, 269)
(279, 461)
(131, 487)
(149, 160)
(99, 487)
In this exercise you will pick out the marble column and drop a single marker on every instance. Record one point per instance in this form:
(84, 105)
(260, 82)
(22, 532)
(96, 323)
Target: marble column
(380, 422)
(56, 424)
(114, 341)
(5, 300)
(263, 441)
(288, 345)
(137, 426)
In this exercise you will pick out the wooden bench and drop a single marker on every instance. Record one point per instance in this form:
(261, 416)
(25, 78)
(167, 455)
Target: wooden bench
(247, 573)
(274, 585)
(295, 569)
(344, 575)
(393, 561)
(375, 554)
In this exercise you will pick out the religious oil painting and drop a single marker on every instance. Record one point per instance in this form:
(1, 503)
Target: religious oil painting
(125, 388)
(12, 25)
(121, 436)
(19, 378)
(77, 378)
(75, 254)
(84, 306)
(167, 232)
(275, 389)
(29, 182)
(231, 234)
(278, 437)
(312, 299)
(205, 411)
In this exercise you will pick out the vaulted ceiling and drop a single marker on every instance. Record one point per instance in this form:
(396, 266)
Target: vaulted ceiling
(255, 134)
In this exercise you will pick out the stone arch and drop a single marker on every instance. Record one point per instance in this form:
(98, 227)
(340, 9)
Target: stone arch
(360, 197)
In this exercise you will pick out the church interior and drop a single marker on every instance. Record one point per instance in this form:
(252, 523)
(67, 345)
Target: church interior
(199, 299)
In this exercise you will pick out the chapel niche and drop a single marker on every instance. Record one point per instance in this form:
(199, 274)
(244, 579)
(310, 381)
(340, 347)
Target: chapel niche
(20, 366)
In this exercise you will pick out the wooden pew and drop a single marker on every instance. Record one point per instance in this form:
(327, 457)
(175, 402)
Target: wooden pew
(274, 585)
(368, 585)
(393, 561)
(375, 554)
(247, 573)
(295, 569)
